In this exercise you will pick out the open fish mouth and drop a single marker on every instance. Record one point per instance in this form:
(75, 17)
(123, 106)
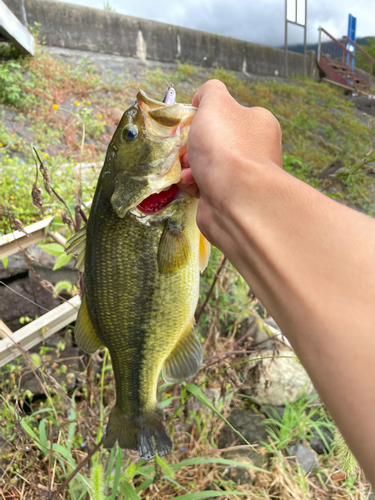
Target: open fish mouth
(157, 201)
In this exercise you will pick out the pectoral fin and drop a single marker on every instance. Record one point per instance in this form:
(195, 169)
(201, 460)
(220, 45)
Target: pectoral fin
(77, 246)
(84, 331)
(204, 252)
(174, 248)
(185, 359)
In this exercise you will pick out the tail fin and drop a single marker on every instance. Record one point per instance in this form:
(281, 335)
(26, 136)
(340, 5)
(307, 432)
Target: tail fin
(138, 434)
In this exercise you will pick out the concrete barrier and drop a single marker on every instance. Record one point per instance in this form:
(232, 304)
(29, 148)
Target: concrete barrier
(83, 28)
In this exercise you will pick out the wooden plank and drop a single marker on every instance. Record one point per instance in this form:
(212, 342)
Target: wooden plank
(13, 30)
(38, 330)
(4, 330)
(37, 232)
(11, 242)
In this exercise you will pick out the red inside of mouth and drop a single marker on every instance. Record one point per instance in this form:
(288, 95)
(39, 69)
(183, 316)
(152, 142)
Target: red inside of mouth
(156, 202)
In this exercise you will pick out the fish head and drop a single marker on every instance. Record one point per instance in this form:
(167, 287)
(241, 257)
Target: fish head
(144, 153)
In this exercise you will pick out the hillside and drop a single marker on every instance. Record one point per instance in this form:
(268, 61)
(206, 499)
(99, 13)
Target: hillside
(67, 104)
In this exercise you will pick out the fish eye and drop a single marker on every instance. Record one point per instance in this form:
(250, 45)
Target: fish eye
(130, 133)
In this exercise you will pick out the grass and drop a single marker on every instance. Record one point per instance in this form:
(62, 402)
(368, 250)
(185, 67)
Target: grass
(69, 113)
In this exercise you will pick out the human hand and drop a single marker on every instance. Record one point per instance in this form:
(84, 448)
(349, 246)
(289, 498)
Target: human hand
(226, 143)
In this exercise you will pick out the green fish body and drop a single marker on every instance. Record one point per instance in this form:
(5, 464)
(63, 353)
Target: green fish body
(142, 252)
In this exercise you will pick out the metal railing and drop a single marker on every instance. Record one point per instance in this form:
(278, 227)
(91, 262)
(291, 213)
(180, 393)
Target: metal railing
(333, 50)
(363, 61)
(342, 64)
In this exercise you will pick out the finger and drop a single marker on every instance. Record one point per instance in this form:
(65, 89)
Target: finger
(185, 161)
(188, 184)
(210, 89)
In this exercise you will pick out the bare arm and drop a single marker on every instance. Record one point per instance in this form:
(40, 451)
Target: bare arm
(310, 260)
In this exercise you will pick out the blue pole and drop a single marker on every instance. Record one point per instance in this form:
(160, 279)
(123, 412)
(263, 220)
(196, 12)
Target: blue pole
(352, 23)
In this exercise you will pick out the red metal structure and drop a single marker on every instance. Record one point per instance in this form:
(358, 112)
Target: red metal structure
(341, 65)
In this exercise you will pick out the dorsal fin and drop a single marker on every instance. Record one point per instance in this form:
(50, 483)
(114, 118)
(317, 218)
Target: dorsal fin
(77, 246)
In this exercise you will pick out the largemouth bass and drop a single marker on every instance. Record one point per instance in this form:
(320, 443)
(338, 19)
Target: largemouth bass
(141, 252)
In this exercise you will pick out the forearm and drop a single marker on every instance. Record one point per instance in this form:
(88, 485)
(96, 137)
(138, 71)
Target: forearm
(311, 262)
(307, 258)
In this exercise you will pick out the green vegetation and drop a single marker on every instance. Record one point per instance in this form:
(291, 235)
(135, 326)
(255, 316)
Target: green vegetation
(300, 421)
(68, 114)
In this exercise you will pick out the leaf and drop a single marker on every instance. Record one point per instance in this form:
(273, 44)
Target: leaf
(117, 476)
(72, 427)
(210, 494)
(61, 260)
(53, 249)
(43, 435)
(63, 285)
(32, 434)
(199, 394)
(129, 491)
(214, 460)
(167, 470)
(5, 262)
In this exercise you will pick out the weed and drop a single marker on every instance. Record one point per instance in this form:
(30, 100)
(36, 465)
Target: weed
(300, 421)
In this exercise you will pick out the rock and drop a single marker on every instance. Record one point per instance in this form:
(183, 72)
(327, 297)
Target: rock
(317, 444)
(14, 306)
(271, 322)
(259, 335)
(42, 262)
(248, 325)
(331, 169)
(304, 456)
(278, 380)
(262, 340)
(64, 372)
(249, 424)
(273, 411)
(16, 265)
(364, 103)
(212, 394)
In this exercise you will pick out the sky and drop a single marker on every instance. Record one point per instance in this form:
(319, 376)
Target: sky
(259, 21)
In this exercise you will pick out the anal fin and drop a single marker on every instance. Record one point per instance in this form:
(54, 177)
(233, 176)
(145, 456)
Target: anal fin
(84, 331)
(185, 359)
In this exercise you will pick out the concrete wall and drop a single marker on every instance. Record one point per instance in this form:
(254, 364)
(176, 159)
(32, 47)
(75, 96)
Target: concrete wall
(83, 28)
